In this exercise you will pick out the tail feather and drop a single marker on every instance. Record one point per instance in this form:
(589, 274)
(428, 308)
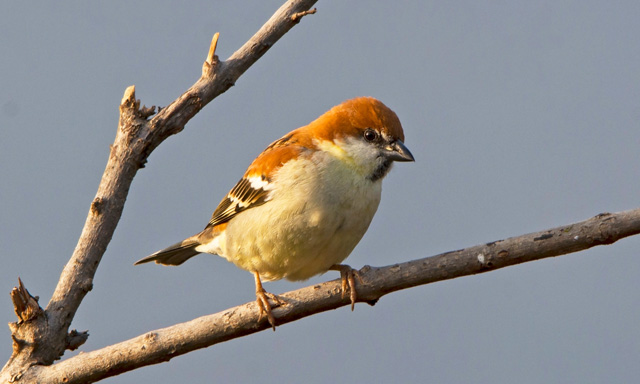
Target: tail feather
(176, 254)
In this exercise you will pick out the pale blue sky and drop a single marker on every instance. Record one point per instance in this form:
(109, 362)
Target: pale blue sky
(521, 116)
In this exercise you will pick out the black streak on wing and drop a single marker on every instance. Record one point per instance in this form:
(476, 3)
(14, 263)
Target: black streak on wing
(243, 196)
(280, 142)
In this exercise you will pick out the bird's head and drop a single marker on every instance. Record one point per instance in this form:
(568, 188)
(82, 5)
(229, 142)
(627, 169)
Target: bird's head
(364, 133)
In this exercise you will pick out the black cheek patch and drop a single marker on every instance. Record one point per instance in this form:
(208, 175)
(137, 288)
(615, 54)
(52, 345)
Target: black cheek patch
(381, 171)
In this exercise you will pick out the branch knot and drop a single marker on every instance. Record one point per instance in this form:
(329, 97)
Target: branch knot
(75, 339)
(296, 17)
(211, 62)
(25, 305)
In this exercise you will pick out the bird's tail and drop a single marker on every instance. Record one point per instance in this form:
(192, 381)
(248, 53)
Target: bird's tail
(176, 254)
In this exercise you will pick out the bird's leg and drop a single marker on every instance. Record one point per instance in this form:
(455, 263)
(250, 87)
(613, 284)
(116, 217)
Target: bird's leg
(262, 298)
(348, 276)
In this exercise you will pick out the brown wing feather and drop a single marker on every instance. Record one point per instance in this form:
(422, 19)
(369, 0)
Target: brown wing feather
(244, 195)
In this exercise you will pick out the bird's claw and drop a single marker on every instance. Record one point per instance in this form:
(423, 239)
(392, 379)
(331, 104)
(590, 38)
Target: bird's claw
(262, 299)
(348, 276)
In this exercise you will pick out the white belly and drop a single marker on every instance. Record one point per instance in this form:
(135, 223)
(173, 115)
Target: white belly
(308, 226)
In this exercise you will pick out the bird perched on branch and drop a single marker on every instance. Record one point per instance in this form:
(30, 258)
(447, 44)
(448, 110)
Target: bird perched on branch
(305, 202)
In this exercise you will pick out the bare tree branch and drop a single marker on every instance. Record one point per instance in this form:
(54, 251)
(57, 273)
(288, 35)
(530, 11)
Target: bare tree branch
(41, 336)
(46, 333)
(164, 344)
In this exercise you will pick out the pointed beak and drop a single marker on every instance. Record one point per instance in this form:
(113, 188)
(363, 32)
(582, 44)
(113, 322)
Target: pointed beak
(397, 151)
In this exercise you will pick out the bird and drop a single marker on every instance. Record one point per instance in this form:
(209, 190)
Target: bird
(305, 202)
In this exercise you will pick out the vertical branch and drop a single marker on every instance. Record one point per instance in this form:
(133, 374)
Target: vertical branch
(125, 159)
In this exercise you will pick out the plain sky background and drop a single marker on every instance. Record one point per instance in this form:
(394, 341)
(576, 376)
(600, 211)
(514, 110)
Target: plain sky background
(521, 115)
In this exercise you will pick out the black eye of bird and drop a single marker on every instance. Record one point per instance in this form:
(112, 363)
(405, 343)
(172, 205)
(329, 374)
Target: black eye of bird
(370, 135)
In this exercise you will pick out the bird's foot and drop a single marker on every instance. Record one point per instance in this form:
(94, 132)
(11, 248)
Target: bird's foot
(348, 276)
(262, 299)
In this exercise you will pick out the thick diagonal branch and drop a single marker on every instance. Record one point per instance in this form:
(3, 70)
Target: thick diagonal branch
(136, 138)
(163, 344)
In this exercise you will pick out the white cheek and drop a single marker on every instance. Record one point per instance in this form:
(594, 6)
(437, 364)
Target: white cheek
(360, 150)
(359, 155)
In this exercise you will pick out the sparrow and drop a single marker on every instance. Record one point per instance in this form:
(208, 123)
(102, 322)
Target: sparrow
(305, 202)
